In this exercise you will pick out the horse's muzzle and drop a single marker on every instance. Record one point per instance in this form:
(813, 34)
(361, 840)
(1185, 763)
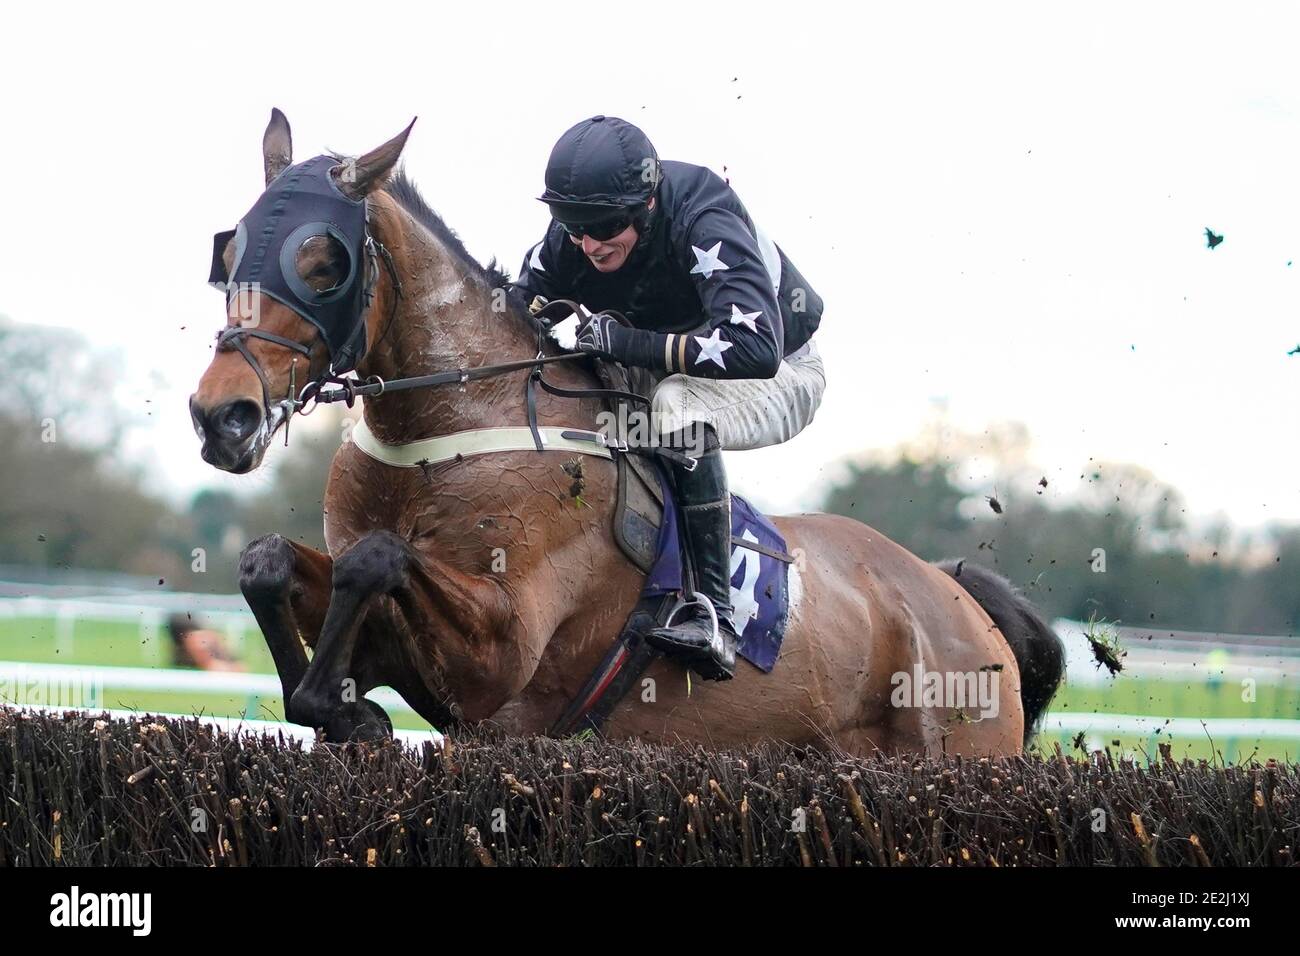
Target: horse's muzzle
(228, 432)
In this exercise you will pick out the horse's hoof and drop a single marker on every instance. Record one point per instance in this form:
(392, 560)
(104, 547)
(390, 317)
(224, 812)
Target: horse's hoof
(362, 721)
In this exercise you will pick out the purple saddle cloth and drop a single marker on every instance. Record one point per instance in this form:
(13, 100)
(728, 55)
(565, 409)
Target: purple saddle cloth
(759, 583)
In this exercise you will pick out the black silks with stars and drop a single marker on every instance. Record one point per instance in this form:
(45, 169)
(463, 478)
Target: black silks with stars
(700, 273)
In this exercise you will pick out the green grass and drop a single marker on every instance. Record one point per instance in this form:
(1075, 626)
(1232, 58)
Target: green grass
(1179, 698)
(110, 644)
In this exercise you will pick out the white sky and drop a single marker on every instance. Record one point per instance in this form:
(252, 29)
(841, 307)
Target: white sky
(1002, 205)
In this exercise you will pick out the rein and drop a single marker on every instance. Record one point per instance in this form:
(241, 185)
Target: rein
(349, 390)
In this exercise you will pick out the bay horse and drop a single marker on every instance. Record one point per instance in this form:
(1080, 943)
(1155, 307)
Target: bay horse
(479, 589)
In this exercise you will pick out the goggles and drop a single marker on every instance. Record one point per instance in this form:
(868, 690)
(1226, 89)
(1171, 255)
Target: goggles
(605, 229)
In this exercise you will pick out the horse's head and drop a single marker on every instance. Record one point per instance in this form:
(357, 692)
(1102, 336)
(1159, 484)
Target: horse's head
(300, 274)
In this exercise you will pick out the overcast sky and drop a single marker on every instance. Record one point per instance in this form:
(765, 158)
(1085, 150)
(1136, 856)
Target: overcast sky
(1002, 205)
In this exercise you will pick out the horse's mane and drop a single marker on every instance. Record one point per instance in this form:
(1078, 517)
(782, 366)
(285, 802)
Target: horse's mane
(404, 192)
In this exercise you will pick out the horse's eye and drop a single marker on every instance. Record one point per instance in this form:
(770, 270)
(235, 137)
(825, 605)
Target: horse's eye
(322, 263)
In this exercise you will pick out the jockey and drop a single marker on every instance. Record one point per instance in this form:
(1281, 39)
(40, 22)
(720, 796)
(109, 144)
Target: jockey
(721, 338)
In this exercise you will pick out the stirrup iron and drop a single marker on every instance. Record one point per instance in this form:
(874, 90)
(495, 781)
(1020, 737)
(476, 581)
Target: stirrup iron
(695, 600)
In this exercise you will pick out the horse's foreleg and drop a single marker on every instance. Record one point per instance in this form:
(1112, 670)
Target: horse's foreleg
(328, 697)
(287, 587)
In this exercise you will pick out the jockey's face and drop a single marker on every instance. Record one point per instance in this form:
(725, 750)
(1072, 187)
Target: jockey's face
(608, 255)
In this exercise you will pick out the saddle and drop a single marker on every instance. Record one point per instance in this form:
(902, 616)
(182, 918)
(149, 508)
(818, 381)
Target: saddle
(639, 511)
(645, 529)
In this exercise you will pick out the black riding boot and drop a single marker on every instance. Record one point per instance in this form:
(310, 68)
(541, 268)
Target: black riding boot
(705, 508)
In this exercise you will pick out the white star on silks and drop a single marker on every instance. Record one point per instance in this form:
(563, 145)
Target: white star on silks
(744, 318)
(707, 263)
(712, 348)
(535, 260)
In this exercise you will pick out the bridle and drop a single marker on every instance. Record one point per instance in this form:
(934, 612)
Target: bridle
(234, 338)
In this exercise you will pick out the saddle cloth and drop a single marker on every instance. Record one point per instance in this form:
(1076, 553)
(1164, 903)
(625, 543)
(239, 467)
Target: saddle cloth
(759, 582)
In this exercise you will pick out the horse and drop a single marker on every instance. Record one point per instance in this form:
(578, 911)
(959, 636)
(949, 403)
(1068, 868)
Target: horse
(480, 590)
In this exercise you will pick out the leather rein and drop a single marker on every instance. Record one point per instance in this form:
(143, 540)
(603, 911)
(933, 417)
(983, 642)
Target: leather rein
(349, 390)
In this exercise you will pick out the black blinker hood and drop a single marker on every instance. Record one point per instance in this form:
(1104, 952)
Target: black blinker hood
(302, 202)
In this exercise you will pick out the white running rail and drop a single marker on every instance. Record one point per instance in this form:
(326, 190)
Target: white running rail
(17, 674)
(236, 726)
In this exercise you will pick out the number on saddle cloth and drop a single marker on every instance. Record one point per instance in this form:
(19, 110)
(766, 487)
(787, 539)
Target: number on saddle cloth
(759, 581)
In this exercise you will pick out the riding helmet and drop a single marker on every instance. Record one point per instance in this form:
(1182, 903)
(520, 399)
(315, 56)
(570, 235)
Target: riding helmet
(599, 168)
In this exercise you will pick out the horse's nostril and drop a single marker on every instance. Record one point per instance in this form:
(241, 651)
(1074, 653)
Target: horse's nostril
(237, 420)
(196, 417)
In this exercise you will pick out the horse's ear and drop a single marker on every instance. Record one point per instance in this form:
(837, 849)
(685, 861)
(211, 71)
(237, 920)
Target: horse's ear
(277, 146)
(369, 172)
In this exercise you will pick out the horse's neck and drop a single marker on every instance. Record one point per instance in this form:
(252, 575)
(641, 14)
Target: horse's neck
(444, 320)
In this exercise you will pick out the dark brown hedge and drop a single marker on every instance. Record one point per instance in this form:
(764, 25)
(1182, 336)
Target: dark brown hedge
(75, 790)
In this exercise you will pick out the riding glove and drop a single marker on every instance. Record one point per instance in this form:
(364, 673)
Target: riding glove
(610, 339)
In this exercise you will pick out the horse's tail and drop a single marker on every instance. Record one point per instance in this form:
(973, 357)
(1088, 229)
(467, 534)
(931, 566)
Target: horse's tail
(1038, 651)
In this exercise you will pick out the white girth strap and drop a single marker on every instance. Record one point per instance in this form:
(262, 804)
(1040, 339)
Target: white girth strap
(476, 441)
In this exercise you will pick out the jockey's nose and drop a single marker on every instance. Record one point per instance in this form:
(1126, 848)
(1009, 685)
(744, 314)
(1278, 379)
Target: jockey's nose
(590, 245)
(232, 421)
